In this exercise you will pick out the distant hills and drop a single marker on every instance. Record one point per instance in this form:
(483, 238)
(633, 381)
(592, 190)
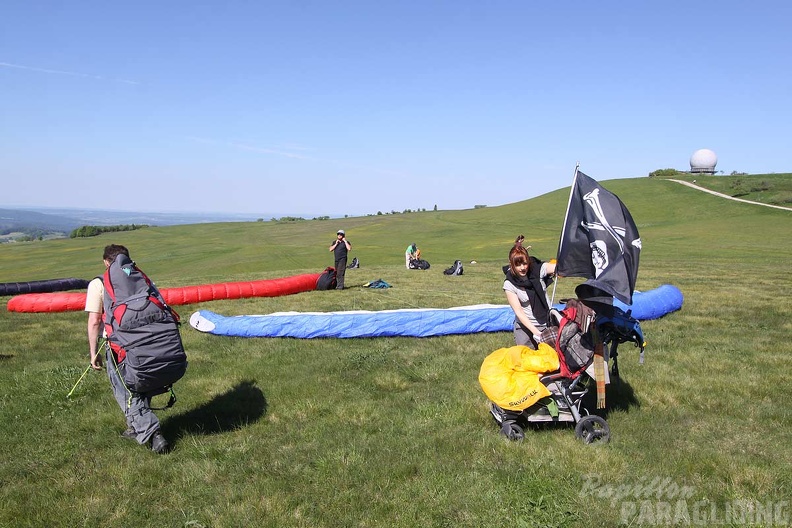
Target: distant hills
(21, 221)
(53, 222)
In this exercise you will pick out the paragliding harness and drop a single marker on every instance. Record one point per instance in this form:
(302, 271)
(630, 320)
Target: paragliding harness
(377, 284)
(419, 264)
(620, 327)
(327, 280)
(142, 332)
(614, 327)
(355, 263)
(574, 344)
(455, 269)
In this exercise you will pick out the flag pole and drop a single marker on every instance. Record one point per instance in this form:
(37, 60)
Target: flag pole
(563, 229)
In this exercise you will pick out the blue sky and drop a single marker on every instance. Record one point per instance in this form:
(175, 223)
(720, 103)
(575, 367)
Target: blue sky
(353, 107)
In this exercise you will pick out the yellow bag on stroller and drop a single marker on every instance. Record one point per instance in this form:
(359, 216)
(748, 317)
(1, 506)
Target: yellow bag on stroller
(510, 376)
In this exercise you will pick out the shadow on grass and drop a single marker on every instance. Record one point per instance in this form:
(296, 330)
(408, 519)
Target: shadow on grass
(4, 356)
(243, 404)
(620, 396)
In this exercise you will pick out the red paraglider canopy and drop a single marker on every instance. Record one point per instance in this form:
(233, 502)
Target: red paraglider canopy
(66, 302)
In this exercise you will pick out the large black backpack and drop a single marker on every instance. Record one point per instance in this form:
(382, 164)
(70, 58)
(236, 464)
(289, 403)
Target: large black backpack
(327, 280)
(419, 264)
(142, 330)
(455, 269)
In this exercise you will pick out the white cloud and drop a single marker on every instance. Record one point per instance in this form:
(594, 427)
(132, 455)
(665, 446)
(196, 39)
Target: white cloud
(63, 72)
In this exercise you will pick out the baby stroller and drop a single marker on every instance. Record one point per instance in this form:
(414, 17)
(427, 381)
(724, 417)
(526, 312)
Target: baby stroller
(574, 344)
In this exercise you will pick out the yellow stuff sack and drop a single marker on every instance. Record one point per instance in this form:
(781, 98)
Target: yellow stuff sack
(510, 376)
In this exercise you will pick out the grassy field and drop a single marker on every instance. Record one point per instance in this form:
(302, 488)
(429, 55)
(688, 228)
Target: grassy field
(775, 189)
(395, 431)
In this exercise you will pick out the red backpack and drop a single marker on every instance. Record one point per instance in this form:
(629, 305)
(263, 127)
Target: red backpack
(575, 344)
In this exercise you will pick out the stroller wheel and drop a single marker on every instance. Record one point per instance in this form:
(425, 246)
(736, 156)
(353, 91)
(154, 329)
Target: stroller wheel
(592, 429)
(512, 431)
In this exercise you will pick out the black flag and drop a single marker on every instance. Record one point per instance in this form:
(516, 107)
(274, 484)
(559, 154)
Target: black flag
(599, 242)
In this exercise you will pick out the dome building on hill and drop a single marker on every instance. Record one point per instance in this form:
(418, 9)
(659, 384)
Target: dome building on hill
(703, 161)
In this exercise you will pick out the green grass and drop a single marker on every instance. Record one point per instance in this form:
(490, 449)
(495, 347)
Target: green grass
(775, 189)
(395, 431)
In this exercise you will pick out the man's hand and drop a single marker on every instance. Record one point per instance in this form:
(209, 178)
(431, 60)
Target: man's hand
(96, 361)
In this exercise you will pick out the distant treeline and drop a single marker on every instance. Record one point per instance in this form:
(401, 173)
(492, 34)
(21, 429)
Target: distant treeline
(32, 232)
(89, 231)
(27, 234)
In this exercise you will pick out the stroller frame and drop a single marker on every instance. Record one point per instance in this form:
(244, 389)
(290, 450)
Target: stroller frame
(565, 403)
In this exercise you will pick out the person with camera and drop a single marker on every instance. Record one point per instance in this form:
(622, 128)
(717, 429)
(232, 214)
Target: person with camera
(340, 247)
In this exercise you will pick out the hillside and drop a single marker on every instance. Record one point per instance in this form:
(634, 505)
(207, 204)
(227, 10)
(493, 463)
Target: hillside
(399, 428)
(774, 189)
(666, 214)
(58, 223)
(31, 222)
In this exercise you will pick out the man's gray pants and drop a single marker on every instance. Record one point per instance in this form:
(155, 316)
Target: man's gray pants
(136, 407)
(340, 266)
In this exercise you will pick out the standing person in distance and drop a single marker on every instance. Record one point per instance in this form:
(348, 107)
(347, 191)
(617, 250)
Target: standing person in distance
(142, 424)
(526, 291)
(340, 247)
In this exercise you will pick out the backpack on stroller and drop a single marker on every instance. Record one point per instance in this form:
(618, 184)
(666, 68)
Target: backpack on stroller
(567, 386)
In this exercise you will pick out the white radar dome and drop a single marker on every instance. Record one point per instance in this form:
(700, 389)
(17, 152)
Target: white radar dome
(703, 160)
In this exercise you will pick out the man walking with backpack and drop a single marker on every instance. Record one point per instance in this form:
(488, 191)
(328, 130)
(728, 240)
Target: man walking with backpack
(142, 424)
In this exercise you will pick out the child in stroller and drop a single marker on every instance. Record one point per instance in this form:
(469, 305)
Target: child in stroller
(574, 339)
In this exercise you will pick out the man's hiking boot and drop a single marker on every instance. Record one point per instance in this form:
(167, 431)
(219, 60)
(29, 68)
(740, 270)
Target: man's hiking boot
(129, 434)
(158, 443)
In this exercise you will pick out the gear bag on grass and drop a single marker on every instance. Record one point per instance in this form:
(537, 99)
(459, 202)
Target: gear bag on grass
(142, 330)
(327, 280)
(419, 264)
(455, 269)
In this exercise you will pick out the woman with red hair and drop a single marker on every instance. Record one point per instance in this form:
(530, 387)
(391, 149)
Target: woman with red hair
(526, 291)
